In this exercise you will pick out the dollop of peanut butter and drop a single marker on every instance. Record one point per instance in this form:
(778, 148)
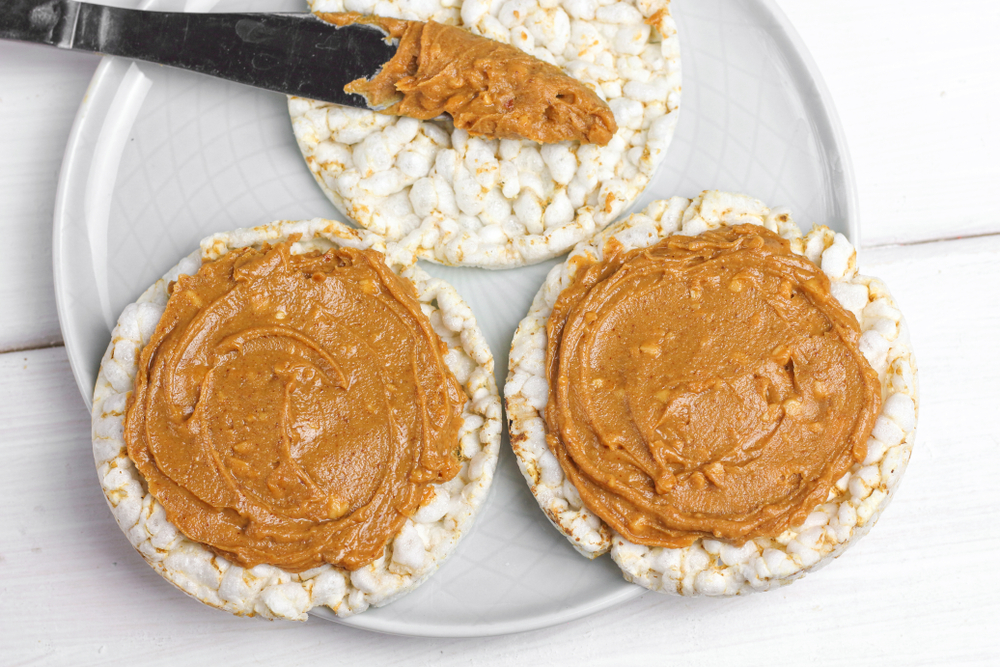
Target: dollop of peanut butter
(294, 410)
(487, 87)
(706, 386)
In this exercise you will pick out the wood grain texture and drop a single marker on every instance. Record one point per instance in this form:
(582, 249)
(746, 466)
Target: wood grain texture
(919, 590)
(40, 90)
(916, 85)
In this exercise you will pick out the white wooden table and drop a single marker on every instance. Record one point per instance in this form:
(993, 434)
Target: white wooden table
(917, 85)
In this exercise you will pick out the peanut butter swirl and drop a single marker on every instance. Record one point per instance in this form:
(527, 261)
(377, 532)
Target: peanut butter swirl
(706, 386)
(294, 409)
(487, 87)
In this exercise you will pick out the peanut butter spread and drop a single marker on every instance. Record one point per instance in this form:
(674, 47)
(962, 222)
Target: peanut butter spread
(293, 409)
(706, 386)
(488, 88)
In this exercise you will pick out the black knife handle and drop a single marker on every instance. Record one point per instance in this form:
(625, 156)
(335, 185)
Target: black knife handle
(41, 21)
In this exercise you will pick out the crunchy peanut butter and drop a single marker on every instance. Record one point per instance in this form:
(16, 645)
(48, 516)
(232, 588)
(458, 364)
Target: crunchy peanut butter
(706, 386)
(293, 409)
(487, 87)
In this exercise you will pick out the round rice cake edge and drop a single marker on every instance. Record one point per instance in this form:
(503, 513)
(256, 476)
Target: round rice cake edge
(713, 567)
(425, 540)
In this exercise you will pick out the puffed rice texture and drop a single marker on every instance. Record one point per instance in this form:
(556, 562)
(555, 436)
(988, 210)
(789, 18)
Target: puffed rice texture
(470, 201)
(425, 540)
(713, 567)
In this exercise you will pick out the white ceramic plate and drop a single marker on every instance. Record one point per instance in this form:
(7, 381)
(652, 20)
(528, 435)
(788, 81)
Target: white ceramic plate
(158, 159)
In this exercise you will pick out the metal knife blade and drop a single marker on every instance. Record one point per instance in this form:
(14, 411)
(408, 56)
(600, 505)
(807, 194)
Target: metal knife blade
(296, 54)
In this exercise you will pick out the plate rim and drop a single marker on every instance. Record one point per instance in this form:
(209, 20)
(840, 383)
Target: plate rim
(832, 126)
(832, 138)
(493, 629)
(71, 163)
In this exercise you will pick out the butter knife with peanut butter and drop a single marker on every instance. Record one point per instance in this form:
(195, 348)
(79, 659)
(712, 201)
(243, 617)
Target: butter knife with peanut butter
(489, 88)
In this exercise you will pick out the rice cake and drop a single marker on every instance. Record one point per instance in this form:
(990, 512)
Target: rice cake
(426, 538)
(711, 566)
(469, 201)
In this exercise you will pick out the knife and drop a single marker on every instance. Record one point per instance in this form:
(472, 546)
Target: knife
(295, 54)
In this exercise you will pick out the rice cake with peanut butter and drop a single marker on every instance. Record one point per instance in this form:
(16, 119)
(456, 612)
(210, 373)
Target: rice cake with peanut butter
(721, 402)
(465, 200)
(293, 416)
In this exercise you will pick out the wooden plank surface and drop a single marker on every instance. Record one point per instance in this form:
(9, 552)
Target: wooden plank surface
(918, 590)
(916, 85)
(40, 90)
